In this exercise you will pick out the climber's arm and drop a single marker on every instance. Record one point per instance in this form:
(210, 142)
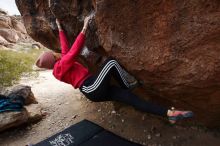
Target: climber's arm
(79, 42)
(63, 39)
(86, 23)
(77, 45)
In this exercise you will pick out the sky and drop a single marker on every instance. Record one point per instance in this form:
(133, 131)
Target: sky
(9, 6)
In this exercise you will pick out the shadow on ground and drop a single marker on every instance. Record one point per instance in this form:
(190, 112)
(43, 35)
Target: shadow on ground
(65, 106)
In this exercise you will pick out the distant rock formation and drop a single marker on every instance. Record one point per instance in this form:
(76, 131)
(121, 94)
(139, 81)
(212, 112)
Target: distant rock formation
(12, 30)
(173, 47)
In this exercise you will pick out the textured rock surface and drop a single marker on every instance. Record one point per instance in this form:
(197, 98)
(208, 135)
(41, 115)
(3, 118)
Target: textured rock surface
(39, 20)
(30, 113)
(10, 35)
(12, 119)
(174, 45)
(34, 112)
(24, 91)
(12, 30)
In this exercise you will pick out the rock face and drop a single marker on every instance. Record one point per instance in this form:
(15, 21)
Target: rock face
(30, 113)
(12, 119)
(173, 46)
(12, 30)
(24, 91)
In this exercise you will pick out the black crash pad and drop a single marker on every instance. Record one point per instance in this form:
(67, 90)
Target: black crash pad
(85, 133)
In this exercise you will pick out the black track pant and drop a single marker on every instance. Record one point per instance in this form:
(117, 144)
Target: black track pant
(98, 88)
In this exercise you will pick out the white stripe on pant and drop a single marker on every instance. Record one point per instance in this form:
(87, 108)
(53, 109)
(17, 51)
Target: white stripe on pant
(101, 76)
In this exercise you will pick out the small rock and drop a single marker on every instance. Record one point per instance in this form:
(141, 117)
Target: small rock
(34, 112)
(174, 137)
(75, 116)
(28, 128)
(158, 135)
(122, 120)
(118, 114)
(153, 129)
(143, 117)
(44, 113)
(113, 112)
(149, 136)
(33, 132)
(99, 110)
(113, 126)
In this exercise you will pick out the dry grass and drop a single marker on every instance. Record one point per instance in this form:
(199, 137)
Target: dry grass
(14, 64)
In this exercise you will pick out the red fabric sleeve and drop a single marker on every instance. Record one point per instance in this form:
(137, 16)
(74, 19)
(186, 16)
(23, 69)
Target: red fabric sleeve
(77, 45)
(67, 60)
(64, 43)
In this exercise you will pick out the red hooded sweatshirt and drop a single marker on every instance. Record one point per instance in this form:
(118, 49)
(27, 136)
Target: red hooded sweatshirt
(67, 69)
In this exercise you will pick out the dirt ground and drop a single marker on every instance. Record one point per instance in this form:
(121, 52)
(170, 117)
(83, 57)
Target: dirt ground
(65, 106)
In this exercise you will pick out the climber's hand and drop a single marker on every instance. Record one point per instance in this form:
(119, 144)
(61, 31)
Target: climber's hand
(58, 25)
(86, 23)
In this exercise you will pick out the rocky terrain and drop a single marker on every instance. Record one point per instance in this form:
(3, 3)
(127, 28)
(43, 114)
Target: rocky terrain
(30, 113)
(63, 106)
(172, 47)
(13, 36)
(12, 31)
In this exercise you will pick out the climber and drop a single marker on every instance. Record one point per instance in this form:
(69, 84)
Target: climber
(97, 87)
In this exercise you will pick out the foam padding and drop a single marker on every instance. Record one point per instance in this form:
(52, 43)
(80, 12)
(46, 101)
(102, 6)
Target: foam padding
(85, 133)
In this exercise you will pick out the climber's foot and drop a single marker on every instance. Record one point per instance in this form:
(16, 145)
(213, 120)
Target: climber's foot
(175, 115)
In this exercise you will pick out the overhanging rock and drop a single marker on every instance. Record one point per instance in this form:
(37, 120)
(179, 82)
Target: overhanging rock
(172, 46)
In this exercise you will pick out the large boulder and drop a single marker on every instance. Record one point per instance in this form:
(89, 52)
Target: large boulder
(5, 22)
(12, 30)
(18, 25)
(3, 41)
(31, 112)
(173, 47)
(10, 35)
(24, 91)
(12, 119)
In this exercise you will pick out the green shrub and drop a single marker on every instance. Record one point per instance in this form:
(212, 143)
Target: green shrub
(14, 64)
